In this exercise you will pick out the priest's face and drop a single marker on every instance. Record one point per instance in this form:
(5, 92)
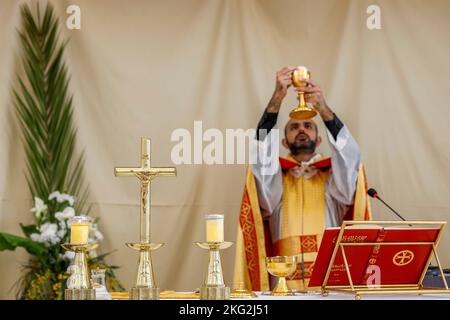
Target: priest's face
(301, 136)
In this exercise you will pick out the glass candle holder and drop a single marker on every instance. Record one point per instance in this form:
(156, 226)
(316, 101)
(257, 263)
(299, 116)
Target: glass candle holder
(79, 229)
(98, 278)
(214, 228)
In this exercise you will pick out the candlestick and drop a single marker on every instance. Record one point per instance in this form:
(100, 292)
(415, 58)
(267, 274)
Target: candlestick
(213, 287)
(79, 286)
(214, 228)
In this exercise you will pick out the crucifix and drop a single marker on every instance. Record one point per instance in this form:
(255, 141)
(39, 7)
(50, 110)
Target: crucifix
(145, 287)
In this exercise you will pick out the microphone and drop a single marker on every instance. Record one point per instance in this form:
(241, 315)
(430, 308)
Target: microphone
(373, 193)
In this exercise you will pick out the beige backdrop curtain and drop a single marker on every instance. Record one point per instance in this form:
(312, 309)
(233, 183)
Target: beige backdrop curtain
(145, 68)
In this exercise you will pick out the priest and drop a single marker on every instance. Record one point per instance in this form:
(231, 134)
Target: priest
(285, 210)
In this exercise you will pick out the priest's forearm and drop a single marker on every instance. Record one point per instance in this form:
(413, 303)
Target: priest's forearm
(275, 103)
(269, 117)
(332, 122)
(325, 112)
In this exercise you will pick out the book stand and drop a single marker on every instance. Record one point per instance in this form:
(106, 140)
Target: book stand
(405, 288)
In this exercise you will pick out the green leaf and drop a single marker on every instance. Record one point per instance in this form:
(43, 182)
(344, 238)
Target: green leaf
(11, 242)
(102, 256)
(29, 229)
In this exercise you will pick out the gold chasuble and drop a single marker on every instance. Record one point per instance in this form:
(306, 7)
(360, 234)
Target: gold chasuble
(302, 225)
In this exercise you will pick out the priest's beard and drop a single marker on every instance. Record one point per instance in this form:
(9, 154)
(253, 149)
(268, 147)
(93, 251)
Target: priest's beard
(305, 147)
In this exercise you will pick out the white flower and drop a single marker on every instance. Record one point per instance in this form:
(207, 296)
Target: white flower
(54, 195)
(48, 229)
(67, 213)
(92, 254)
(68, 198)
(69, 255)
(61, 233)
(39, 207)
(95, 234)
(49, 233)
(59, 216)
(61, 197)
(62, 225)
(98, 235)
(35, 237)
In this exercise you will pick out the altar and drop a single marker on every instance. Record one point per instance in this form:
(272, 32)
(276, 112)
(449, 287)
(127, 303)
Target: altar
(261, 296)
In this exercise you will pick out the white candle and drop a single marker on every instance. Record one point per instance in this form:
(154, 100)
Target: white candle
(214, 228)
(79, 230)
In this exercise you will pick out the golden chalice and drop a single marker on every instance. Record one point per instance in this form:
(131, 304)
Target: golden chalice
(302, 111)
(281, 267)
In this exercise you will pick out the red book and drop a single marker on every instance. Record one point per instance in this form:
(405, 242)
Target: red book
(398, 263)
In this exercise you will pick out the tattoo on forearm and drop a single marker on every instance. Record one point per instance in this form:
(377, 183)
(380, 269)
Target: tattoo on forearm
(326, 113)
(274, 105)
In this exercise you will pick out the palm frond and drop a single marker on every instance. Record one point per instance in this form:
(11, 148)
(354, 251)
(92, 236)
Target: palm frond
(44, 107)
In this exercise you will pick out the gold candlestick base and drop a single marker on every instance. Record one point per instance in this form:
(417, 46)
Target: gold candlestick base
(79, 284)
(214, 287)
(145, 286)
(79, 294)
(243, 293)
(214, 292)
(144, 293)
(240, 291)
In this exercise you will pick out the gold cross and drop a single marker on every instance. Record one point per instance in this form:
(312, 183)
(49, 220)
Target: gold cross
(403, 258)
(145, 173)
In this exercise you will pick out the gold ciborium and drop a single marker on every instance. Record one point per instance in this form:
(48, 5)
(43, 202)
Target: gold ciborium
(281, 267)
(302, 111)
